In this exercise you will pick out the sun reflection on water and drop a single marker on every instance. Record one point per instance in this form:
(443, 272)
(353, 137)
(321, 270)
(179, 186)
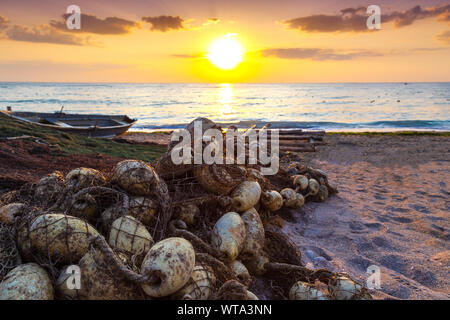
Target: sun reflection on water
(225, 99)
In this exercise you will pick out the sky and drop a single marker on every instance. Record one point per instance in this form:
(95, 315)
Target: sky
(283, 41)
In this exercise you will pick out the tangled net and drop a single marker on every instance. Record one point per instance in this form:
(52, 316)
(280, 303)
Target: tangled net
(68, 221)
(9, 254)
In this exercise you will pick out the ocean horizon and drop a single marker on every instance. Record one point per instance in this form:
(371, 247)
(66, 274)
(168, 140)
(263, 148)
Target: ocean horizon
(373, 106)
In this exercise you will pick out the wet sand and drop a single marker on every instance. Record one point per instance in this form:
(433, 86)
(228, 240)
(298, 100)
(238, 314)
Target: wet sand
(155, 138)
(392, 211)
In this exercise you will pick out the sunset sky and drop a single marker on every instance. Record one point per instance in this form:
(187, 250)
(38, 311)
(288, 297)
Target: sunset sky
(168, 41)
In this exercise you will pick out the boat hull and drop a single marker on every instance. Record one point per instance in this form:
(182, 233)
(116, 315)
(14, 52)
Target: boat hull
(96, 132)
(96, 126)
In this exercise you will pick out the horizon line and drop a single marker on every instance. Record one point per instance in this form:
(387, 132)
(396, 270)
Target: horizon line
(312, 82)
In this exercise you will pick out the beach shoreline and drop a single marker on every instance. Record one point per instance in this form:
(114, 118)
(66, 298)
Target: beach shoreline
(162, 137)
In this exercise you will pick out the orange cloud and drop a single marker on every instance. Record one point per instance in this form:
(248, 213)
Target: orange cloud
(92, 24)
(46, 34)
(444, 37)
(165, 23)
(4, 22)
(354, 19)
(317, 54)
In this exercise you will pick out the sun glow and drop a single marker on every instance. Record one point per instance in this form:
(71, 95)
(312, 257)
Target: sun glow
(225, 53)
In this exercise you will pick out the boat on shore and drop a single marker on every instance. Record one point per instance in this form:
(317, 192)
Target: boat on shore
(92, 125)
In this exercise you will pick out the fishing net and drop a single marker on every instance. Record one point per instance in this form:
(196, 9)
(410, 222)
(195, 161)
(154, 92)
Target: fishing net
(280, 248)
(53, 240)
(58, 216)
(9, 254)
(280, 277)
(71, 218)
(231, 290)
(200, 286)
(102, 280)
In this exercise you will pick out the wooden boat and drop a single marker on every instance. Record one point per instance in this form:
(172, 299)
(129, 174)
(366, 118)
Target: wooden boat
(101, 126)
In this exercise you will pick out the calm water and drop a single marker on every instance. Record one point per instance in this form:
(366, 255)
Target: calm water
(378, 106)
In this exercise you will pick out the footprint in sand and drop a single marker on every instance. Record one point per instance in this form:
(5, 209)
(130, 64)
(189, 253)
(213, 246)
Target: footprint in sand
(374, 225)
(394, 262)
(397, 209)
(419, 208)
(383, 243)
(383, 218)
(357, 227)
(425, 277)
(399, 198)
(439, 234)
(438, 227)
(378, 189)
(402, 219)
(395, 233)
(360, 263)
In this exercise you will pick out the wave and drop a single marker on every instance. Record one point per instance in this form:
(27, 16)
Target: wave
(62, 101)
(324, 125)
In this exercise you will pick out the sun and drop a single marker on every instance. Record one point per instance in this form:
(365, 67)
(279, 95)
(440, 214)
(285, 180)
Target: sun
(225, 53)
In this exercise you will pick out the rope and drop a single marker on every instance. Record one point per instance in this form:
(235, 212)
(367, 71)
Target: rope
(111, 259)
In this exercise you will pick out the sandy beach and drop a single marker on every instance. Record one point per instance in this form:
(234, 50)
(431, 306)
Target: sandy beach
(392, 211)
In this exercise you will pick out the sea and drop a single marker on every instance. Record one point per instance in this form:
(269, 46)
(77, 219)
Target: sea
(324, 106)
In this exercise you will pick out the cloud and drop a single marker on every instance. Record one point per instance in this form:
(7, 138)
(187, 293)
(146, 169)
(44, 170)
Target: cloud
(445, 16)
(92, 24)
(165, 23)
(317, 54)
(4, 22)
(406, 18)
(209, 22)
(44, 33)
(212, 21)
(354, 19)
(444, 37)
